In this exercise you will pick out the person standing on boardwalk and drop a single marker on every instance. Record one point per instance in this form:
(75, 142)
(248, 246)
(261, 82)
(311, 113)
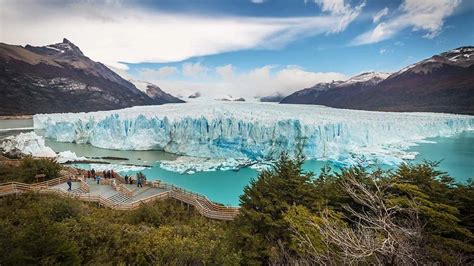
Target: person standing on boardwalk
(98, 179)
(126, 179)
(69, 183)
(139, 181)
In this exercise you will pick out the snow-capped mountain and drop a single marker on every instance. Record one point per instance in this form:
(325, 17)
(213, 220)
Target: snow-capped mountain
(442, 83)
(461, 57)
(60, 78)
(155, 92)
(367, 78)
(353, 85)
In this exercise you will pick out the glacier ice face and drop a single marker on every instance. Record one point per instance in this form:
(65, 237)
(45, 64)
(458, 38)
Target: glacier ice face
(28, 143)
(254, 131)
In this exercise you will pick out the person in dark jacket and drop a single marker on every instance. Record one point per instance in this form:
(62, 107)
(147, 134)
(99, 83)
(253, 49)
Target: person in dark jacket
(139, 181)
(69, 183)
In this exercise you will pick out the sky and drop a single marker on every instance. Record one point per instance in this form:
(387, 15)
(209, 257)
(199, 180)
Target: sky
(243, 48)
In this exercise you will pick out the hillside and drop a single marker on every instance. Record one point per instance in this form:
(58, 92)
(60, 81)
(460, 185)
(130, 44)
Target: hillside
(60, 78)
(442, 83)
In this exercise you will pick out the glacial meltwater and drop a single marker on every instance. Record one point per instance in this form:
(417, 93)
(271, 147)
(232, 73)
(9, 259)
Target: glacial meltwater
(455, 153)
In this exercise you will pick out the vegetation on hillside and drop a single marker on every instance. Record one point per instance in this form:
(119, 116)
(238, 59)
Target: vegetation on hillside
(28, 167)
(47, 229)
(412, 215)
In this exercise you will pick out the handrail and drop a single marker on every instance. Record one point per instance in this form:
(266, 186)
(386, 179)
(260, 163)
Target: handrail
(84, 186)
(124, 190)
(200, 202)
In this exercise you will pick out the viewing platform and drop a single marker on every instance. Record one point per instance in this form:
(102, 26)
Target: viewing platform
(115, 194)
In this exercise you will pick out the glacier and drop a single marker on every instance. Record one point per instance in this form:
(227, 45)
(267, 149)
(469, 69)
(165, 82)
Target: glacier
(27, 143)
(255, 131)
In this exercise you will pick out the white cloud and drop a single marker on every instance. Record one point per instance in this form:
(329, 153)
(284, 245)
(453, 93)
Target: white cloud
(340, 8)
(258, 1)
(166, 71)
(193, 69)
(418, 15)
(113, 33)
(382, 51)
(262, 81)
(383, 12)
(160, 73)
(226, 71)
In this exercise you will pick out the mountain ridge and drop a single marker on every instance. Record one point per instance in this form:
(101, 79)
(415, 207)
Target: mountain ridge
(60, 78)
(441, 83)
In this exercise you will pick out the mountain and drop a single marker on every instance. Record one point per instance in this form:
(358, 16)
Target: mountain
(60, 78)
(272, 98)
(155, 92)
(309, 95)
(442, 83)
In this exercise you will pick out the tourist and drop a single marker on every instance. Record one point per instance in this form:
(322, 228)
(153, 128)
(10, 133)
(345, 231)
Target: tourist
(88, 174)
(139, 181)
(130, 180)
(104, 173)
(112, 174)
(108, 174)
(98, 179)
(69, 183)
(93, 172)
(126, 179)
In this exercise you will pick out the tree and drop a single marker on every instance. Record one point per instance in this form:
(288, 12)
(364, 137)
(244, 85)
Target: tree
(384, 218)
(260, 228)
(28, 168)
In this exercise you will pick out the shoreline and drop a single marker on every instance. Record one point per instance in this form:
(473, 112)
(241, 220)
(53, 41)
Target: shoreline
(16, 117)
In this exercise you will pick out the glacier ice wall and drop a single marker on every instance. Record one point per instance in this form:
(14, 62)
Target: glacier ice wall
(256, 131)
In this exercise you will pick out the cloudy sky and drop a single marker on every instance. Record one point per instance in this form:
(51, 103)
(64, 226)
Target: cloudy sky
(244, 48)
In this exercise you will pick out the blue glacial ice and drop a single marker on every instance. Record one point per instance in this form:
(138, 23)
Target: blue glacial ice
(255, 131)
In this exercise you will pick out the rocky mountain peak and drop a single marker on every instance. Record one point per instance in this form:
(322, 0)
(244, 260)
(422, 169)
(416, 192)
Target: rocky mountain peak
(459, 57)
(66, 46)
(371, 78)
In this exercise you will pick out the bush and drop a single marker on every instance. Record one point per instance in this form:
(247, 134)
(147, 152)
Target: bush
(49, 229)
(27, 169)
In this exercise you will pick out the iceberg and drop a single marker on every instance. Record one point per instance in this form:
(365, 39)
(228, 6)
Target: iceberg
(255, 131)
(191, 165)
(69, 156)
(118, 168)
(27, 143)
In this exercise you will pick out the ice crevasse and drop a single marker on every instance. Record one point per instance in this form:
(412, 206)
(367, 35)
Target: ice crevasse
(255, 131)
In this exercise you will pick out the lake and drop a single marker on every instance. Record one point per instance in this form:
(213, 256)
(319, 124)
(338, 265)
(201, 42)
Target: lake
(456, 154)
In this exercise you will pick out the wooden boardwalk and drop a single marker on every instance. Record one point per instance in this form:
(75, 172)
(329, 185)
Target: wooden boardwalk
(113, 193)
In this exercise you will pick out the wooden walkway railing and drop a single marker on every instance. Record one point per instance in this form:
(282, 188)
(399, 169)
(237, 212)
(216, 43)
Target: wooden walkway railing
(201, 203)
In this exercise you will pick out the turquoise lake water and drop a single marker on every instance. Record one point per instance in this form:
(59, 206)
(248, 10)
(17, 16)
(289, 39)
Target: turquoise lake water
(456, 154)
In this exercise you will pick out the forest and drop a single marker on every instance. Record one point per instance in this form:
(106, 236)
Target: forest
(414, 214)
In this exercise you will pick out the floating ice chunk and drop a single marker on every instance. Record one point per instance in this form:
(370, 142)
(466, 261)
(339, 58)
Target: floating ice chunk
(191, 165)
(69, 156)
(28, 143)
(116, 167)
